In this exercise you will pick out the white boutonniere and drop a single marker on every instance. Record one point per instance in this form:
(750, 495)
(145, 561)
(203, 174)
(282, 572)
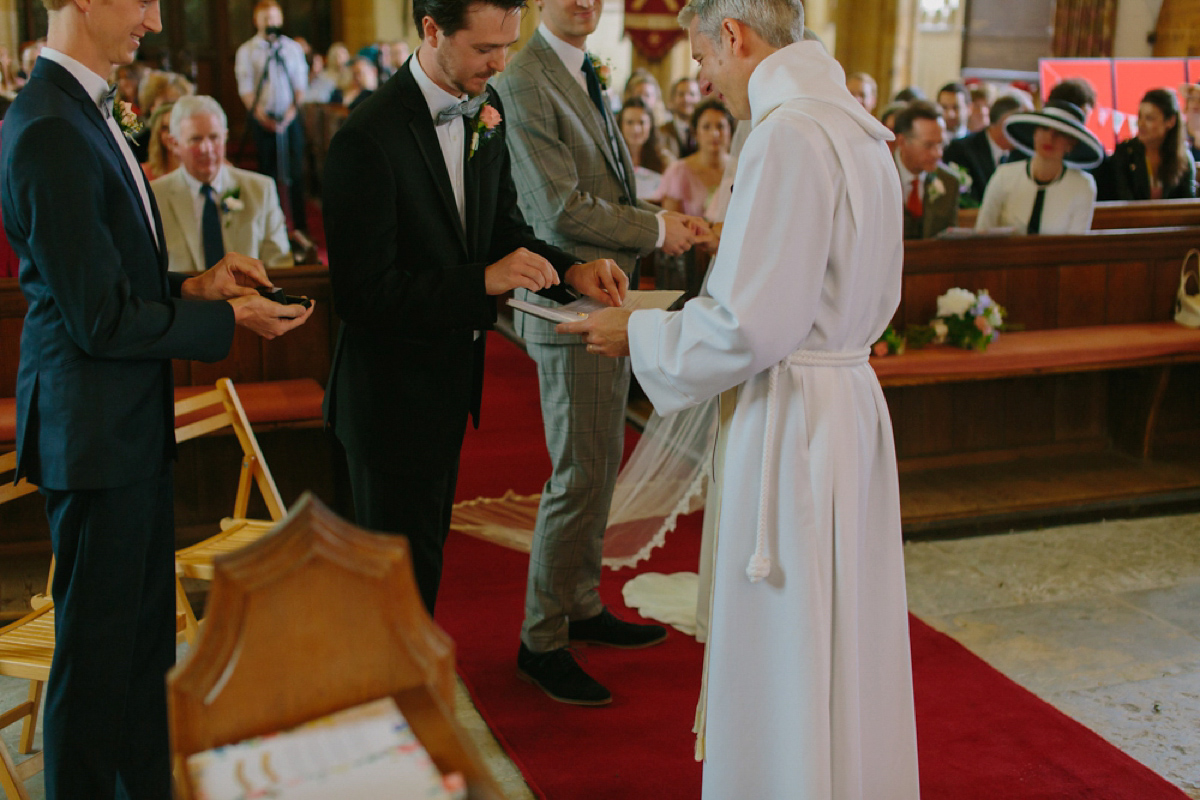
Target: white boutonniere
(231, 201)
(935, 189)
(484, 127)
(127, 121)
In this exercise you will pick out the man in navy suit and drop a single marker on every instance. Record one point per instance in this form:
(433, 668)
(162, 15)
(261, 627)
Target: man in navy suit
(94, 395)
(981, 152)
(424, 233)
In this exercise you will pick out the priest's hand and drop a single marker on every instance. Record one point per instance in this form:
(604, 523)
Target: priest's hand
(601, 280)
(604, 332)
(520, 269)
(235, 275)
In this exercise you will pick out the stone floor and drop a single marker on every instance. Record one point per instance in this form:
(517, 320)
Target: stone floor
(1102, 620)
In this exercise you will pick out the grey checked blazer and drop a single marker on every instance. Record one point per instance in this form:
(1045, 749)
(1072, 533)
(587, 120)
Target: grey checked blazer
(568, 184)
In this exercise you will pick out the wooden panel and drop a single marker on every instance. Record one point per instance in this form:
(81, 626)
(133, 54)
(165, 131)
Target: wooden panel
(1165, 280)
(1080, 407)
(1082, 295)
(1031, 298)
(1029, 411)
(920, 296)
(1130, 293)
(979, 416)
(10, 356)
(926, 415)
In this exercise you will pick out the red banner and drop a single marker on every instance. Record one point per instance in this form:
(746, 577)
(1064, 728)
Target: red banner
(653, 26)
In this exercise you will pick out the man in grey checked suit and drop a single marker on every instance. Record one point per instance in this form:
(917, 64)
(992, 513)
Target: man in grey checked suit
(575, 185)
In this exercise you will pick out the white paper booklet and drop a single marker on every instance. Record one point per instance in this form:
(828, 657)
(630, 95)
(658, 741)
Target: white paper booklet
(579, 309)
(367, 751)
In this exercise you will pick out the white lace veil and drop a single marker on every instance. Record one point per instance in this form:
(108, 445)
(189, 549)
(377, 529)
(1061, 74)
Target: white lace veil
(666, 476)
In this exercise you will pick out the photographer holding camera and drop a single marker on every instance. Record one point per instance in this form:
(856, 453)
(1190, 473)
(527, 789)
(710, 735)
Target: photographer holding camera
(272, 76)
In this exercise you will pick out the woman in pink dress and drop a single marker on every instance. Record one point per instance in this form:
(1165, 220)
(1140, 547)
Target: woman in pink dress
(688, 184)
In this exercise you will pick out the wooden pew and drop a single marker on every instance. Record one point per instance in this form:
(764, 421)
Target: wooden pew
(1068, 428)
(1115, 214)
(287, 422)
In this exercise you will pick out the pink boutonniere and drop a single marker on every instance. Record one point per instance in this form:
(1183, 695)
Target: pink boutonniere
(127, 121)
(484, 127)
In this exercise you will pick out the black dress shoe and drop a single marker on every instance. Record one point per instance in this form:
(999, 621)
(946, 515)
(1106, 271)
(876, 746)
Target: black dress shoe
(606, 629)
(556, 673)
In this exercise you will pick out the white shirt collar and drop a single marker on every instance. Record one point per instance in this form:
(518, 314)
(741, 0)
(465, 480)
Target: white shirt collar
(96, 86)
(436, 97)
(220, 184)
(571, 56)
(906, 177)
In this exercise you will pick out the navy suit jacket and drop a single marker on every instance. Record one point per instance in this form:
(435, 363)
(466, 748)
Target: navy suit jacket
(973, 153)
(94, 394)
(408, 277)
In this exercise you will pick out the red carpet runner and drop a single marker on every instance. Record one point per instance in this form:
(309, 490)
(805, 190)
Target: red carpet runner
(981, 736)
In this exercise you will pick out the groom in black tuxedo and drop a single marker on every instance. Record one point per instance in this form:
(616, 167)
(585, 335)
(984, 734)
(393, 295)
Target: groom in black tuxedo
(424, 232)
(94, 399)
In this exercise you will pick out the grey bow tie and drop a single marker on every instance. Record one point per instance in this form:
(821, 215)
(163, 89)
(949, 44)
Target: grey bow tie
(467, 108)
(106, 101)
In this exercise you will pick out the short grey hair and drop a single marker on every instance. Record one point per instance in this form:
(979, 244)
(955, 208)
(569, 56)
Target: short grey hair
(193, 105)
(778, 22)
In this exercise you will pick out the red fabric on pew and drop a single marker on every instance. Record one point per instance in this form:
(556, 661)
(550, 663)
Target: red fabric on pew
(1029, 352)
(8, 423)
(297, 400)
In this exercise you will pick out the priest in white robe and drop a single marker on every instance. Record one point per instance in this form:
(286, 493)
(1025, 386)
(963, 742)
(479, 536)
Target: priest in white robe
(809, 679)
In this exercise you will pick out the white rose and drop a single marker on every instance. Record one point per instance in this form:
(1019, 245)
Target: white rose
(994, 317)
(940, 331)
(954, 302)
(233, 204)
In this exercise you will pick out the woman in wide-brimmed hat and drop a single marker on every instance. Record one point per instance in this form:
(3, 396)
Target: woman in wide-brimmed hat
(1049, 193)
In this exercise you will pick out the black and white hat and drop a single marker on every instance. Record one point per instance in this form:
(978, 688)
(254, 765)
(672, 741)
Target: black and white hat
(1061, 116)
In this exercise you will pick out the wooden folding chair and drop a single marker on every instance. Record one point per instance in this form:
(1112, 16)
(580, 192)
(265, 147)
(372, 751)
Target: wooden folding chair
(26, 650)
(318, 617)
(203, 414)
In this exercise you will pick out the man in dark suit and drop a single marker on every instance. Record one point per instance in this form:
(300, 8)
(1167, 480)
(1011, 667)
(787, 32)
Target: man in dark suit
(979, 153)
(930, 190)
(94, 396)
(424, 232)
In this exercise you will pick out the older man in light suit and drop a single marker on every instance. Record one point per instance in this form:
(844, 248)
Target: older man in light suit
(210, 208)
(575, 184)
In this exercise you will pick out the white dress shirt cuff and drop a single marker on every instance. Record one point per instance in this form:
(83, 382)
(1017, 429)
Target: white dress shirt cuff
(662, 228)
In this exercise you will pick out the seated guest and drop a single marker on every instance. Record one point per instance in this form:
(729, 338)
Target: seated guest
(155, 89)
(1049, 193)
(888, 118)
(930, 190)
(954, 100)
(1075, 91)
(324, 83)
(688, 184)
(644, 85)
(908, 94)
(641, 137)
(1191, 116)
(128, 78)
(362, 81)
(160, 155)
(979, 153)
(864, 89)
(210, 208)
(677, 135)
(1156, 163)
(979, 113)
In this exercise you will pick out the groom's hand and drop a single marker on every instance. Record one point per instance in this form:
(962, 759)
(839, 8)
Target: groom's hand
(235, 275)
(600, 280)
(520, 269)
(266, 317)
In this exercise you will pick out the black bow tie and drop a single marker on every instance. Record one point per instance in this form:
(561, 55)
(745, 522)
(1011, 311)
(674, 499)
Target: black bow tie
(107, 100)
(467, 108)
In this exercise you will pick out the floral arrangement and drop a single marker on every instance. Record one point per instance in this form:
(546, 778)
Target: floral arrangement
(231, 201)
(970, 320)
(965, 198)
(127, 118)
(603, 70)
(484, 127)
(967, 319)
